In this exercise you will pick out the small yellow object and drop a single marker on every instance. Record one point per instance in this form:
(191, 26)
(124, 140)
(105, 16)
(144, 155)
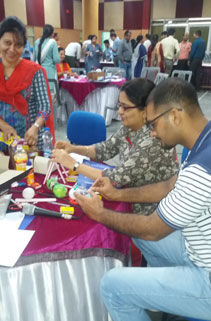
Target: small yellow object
(8, 142)
(67, 210)
(71, 179)
(72, 173)
(100, 197)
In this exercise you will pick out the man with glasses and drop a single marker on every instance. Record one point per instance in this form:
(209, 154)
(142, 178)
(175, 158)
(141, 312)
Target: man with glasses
(176, 238)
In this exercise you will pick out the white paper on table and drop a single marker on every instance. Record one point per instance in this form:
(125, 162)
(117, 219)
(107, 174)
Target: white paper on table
(12, 220)
(12, 244)
(78, 158)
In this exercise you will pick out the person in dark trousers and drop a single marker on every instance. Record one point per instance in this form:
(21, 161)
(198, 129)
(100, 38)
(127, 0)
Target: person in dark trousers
(195, 59)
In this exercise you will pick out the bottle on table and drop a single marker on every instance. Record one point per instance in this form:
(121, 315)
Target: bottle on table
(30, 176)
(20, 158)
(47, 142)
(32, 153)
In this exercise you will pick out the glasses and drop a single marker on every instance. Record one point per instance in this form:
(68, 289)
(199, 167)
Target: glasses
(150, 124)
(125, 108)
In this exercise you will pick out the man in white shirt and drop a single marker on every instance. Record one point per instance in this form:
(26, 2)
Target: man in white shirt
(176, 238)
(73, 54)
(171, 50)
(147, 42)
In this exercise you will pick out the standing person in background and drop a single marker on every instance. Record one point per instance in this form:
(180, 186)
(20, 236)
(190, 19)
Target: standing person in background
(171, 50)
(111, 41)
(141, 55)
(185, 48)
(73, 54)
(85, 44)
(196, 56)
(116, 41)
(107, 54)
(155, 54)
(125, 53)
(46, 53)
(93, 54)
(136, 53)
(147, 41)
(163, 35)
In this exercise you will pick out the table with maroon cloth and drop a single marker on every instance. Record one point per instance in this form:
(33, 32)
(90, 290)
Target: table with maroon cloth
(91, 96)
(58, 275)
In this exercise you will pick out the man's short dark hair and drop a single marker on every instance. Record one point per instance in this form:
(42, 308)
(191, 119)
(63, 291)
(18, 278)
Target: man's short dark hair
(175, 91)
(127, 32)
(198, 33)
(164, 33)
(148, 36)
(171, 31)
(106, 42)
(113, 35)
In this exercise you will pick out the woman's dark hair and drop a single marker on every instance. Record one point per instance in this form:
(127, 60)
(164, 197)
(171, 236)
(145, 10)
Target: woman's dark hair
(138, 39)
(138, 90)
(14, 25)
(47, 32)
(154, 40)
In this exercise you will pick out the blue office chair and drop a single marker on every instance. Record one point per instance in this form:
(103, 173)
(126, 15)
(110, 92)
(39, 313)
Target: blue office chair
(85, 128)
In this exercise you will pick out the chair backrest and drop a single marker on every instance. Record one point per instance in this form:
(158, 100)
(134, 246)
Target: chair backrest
(85, 128)
(114, 71)
(79, 71)
(150, 73)
(160, 77)
(183, 74)
(56, 86)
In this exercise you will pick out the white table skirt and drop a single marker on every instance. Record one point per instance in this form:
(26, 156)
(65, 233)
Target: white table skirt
(65, 290)
(95, 102)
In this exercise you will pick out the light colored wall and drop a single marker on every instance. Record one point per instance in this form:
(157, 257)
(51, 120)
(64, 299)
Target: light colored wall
(113, 13)
(77, 9)
(162, 9)
(206, 11)
(52, 13)
(65, 35)
(16, 8)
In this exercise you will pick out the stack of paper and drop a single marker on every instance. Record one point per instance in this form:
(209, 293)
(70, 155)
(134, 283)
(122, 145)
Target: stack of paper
(12, 240)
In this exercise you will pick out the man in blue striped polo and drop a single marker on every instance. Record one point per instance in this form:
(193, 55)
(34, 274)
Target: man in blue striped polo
(176, 238)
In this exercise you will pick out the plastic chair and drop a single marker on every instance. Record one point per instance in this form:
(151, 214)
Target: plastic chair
(58, 101)
(113, 108)
(150, 73)
(160, 77)
(85, 128)
(79, 71)
(114, 71)
(183, 74)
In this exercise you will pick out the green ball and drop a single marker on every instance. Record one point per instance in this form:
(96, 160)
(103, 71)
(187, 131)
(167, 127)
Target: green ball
(51, 183)
(59, 190)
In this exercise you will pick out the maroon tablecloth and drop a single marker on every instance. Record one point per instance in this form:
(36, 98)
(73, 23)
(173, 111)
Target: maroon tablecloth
(81, 89)
(55, 235)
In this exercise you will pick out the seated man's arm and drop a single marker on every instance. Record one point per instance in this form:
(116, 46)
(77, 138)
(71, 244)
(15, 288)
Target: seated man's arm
(150, 227)
(151, 193)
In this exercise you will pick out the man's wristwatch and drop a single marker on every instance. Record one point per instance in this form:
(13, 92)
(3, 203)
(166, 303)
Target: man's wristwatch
(76, 166)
